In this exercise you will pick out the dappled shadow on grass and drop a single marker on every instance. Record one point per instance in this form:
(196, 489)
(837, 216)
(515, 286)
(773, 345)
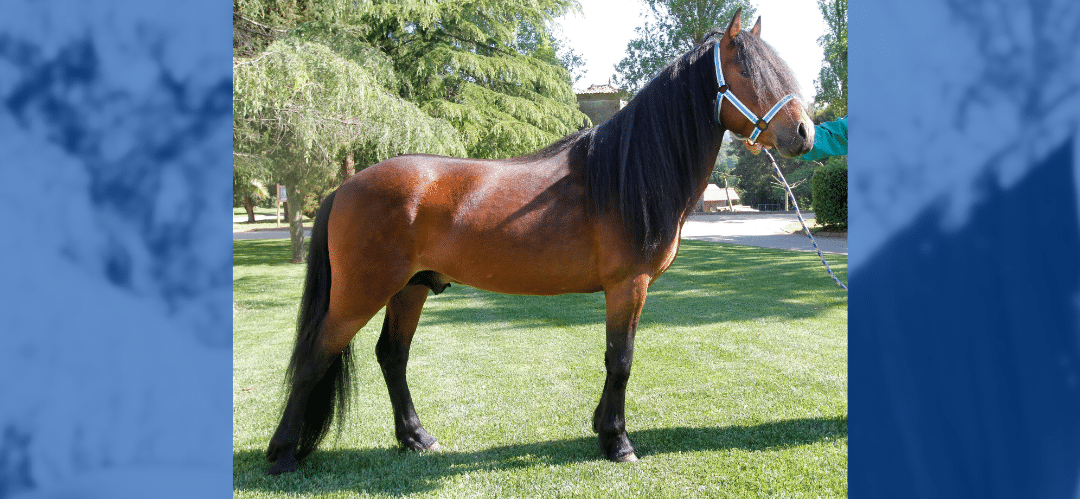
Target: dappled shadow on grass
(393, 471)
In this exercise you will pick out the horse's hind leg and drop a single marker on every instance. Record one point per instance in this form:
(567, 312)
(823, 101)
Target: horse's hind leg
(318, 389)
(392, 351)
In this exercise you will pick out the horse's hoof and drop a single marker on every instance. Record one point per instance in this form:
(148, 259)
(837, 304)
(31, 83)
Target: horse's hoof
(420, 441)
(420, 447)
(283, 465)
(628, 458)
(273, 451)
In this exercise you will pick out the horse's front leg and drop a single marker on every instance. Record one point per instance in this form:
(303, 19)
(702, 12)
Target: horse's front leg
(624, 304)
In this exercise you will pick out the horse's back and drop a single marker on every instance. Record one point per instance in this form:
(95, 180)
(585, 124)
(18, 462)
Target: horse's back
(512, 226)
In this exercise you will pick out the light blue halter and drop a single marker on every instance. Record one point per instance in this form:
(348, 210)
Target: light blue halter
(760, 124)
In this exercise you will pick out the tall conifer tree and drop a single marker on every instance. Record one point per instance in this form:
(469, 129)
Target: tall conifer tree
(318, 84)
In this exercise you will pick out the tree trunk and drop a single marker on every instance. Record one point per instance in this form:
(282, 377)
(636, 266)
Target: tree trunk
(727, 194)
(249, 205)
(294, 213)
(349, 168)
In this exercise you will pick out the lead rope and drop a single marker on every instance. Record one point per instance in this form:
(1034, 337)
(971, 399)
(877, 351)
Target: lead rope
(803, 222)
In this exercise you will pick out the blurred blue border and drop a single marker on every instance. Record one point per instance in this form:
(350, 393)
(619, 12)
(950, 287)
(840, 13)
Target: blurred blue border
(963, 336)
(964, 328)
(116, 348)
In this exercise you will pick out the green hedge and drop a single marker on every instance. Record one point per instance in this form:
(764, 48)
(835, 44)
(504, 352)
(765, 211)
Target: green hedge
(830, 195)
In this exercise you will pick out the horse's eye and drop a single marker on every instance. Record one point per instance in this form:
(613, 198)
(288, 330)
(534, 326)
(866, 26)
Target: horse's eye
(744, 73)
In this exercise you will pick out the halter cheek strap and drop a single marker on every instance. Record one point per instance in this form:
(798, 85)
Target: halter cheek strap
(760, 124)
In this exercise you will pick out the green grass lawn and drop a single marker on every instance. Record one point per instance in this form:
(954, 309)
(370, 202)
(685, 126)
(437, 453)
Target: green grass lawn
(739, 387)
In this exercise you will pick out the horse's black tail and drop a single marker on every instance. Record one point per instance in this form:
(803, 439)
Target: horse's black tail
(331, 393)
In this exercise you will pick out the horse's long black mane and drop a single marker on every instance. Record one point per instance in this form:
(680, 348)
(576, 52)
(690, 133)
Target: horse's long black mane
(649, 163)
(644, 164)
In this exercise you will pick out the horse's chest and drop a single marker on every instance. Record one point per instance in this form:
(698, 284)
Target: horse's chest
(668, 256)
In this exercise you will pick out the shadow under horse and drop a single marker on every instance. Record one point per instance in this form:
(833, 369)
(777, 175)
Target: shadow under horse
(599, 210)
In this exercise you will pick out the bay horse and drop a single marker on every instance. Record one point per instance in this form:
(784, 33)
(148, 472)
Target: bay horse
(599, 210)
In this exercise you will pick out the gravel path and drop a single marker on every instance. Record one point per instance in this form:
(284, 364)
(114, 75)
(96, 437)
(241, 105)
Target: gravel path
(766, 230)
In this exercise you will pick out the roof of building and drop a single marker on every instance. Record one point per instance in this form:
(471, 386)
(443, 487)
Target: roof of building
(606, 88)
(715, 193)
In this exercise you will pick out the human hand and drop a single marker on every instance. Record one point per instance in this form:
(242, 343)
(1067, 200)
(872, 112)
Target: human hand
(754, 147)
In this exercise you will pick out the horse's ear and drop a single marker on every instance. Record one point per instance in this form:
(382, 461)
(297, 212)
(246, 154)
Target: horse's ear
(736, 24)
(756, 30)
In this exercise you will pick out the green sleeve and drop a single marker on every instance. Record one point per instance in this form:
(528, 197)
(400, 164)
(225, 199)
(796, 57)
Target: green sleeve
(830, 139)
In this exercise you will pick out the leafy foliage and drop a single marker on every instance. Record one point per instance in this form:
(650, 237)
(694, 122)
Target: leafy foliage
(488, 67)
(304, 97)
(490, 70)
(830, 194)
(676, 26)
(725, 162)
(248, 174)
(800, 182)
(321, 84)
(756, 176)
(831, 84)
(299, 103)
(831, 102)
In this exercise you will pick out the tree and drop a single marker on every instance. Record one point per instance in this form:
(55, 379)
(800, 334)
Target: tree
(249, 182)
(756, 176)
(830, 103)
(676, 26)
(799, 183)
(298, 104)
(486, 66)
(831, 84)
(319, 85)
(722, 174)
(544, 45)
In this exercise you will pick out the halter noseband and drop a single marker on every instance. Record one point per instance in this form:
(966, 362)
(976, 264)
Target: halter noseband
(760, 124)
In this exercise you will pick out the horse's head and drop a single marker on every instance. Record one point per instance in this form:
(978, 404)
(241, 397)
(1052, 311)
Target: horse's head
(753, 77)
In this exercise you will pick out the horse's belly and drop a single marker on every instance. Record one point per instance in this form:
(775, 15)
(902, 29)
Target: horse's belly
(506, 227)
(540, 265)
(524, 282)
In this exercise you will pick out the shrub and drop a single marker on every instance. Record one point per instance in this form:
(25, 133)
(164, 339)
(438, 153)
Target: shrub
(830, 194)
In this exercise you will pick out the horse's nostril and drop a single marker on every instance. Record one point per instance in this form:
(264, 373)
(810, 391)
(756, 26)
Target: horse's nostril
(802, 130)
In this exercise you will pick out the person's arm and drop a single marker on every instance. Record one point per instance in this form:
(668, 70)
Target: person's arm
(830, 139)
